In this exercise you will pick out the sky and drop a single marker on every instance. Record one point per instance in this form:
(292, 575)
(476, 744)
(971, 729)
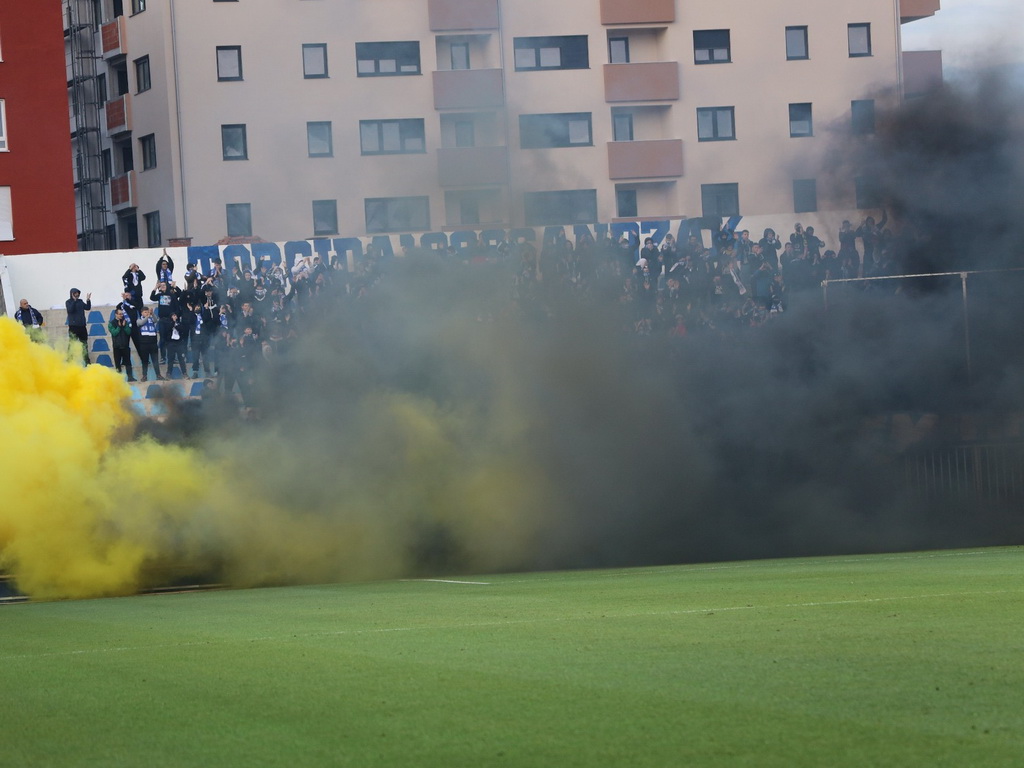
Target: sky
(972, 34)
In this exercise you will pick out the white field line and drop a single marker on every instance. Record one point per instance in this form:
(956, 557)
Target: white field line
(448, 581)
(510, 622)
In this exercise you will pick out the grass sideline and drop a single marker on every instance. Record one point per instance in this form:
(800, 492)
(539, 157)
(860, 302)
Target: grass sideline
(890, 660)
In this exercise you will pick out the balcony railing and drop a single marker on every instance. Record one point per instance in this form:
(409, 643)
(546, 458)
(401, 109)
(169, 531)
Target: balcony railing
(912, 10)
(123, 191)
(468, 88)
(641, 81)
(656, 159)
(638, 11)
(119, 115)
(472, 166)
(459, 15)
(113, 38)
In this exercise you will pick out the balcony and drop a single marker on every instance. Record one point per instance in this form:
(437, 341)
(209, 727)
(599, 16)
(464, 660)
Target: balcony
(472, 166)
(638, 11)
(922, 72)
(112, 35)
(123, 192)
(462, 15)
(912, 10)
(119, 116)
(642, 81)
(658, 159)
(468, 88)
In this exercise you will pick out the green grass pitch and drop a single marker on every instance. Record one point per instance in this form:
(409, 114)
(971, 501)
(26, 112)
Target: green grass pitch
(893, 660)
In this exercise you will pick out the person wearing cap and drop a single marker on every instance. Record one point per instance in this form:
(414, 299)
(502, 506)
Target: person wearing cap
(32, 319)
(78, 326)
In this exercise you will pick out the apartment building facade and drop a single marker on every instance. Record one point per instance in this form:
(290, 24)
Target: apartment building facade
(284, 119)
(36, 205)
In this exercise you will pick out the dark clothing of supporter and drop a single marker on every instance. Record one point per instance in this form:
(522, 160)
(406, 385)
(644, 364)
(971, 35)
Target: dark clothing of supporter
(132, 279)
(29, 316)
(148, 346)
(77, 323)
(120, 329)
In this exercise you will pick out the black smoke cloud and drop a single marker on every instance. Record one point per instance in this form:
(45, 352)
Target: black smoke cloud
(485, 434)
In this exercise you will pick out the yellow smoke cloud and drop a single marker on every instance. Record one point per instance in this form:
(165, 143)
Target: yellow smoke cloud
(87, 510)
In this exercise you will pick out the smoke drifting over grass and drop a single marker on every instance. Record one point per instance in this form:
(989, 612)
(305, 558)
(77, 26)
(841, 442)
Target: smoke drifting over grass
(436, 426)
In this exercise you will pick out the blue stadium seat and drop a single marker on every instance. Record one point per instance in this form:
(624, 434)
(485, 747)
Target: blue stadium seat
(154, 392)
(196, 390)
(96, 317)
(100, 345)
(97, 329)
(105, 360)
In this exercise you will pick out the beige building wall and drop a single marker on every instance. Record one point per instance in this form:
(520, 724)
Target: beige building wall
(193, 182)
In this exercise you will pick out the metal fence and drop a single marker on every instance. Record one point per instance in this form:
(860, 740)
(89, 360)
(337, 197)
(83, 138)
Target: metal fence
(980, 472)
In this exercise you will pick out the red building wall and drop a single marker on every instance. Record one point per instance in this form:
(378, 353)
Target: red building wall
(37, 166)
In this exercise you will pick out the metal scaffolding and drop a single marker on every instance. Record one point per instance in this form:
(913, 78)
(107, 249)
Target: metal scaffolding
(86, 101)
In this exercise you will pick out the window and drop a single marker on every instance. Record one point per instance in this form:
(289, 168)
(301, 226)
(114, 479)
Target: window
(147, 147)
(138, 6)
(397, 214)
(862, 113)
(153, 237)
(796, 43)
(6, 218)
(618, 50)
(625, 203)
(121, 74)
(859, 36)
(142, 77)
(314, 60)
(465, 133)
(387, 59)
(127, 157)
(391, 137)
(805, 195)
(319, 139)
(800, 123)
(239, 216)
(711, 46)
(569, 129)
(716, 124)
(720, 199)
(3, 126)
(325, 217)
(234, 145)
(101, 89)
(568, 206)
(622, 126)
(460, 55)
(229, 62)
(107, 163)
(868, 193)
(569, 52)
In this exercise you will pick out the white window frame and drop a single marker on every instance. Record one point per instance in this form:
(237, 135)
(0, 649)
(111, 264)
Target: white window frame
(3, 126)
(225, 62)
(311, 67)
(6, 215)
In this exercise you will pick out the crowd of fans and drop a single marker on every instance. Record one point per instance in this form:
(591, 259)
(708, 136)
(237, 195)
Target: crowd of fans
(226, 321)
(737, 282)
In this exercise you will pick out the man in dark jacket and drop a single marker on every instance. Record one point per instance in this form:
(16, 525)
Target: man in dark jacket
(120, 328)
(132, 280)
(78, 325)
(32, 319)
